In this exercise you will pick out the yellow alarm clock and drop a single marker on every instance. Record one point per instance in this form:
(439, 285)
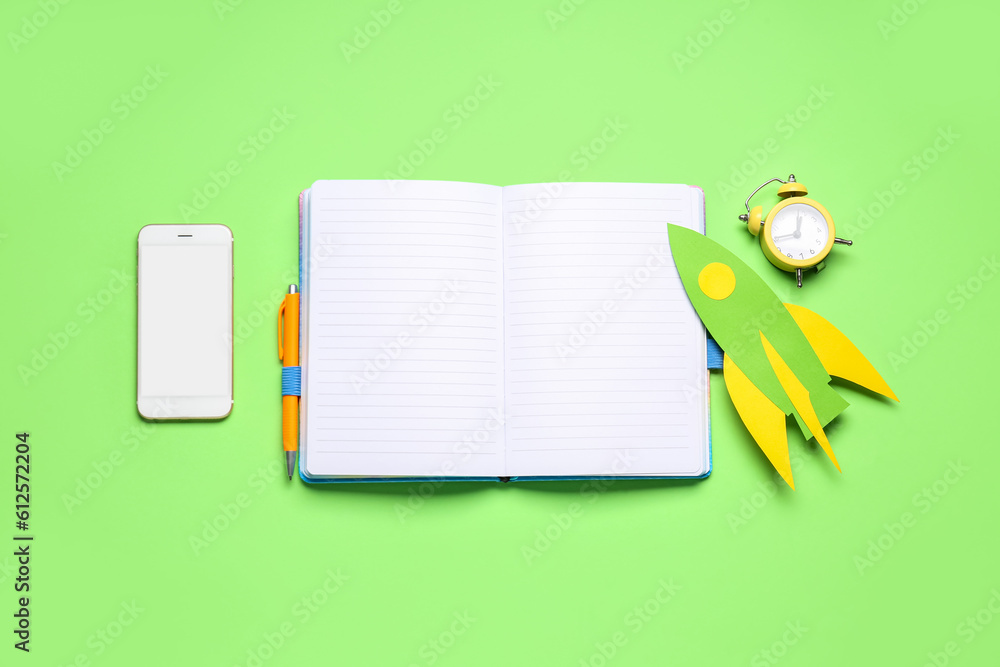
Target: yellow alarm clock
(797, 234)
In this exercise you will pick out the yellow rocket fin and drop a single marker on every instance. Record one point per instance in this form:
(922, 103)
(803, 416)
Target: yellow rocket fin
(799, 396)
(838, 355)
(764, 420)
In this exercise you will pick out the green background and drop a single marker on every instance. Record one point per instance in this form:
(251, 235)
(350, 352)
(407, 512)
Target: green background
(748, 559)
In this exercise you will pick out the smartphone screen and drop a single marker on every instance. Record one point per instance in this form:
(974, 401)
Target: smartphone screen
(185, 321)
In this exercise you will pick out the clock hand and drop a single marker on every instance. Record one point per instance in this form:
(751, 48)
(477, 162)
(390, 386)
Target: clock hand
(798, 225)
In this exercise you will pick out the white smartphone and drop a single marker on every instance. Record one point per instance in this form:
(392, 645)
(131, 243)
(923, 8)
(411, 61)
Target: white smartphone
(185, 323)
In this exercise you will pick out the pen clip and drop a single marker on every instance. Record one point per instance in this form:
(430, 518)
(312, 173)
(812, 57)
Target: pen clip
(281, 330)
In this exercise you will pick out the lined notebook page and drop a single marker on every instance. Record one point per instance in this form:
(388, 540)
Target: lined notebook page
(403, 321)
(605, 356)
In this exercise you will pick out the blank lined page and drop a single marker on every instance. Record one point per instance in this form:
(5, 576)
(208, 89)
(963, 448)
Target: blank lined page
(605, 357)
(403, 320)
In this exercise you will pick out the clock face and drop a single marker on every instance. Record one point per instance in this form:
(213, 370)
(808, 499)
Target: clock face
(800, 232)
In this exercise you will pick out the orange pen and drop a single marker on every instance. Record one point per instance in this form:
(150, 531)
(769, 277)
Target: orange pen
(291, 374)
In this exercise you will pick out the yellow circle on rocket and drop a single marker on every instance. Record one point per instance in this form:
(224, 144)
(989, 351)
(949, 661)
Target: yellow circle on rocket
(717, 281)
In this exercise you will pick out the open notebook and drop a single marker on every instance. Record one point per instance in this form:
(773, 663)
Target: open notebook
(458, 330)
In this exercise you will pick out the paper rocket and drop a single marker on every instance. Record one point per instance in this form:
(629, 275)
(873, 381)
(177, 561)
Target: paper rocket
(778, 357)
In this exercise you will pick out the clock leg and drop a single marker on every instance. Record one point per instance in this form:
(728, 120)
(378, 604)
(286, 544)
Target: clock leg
(798, 276)
(843, 241)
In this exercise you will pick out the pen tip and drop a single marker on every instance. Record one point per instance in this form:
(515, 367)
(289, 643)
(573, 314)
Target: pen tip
(290, 460)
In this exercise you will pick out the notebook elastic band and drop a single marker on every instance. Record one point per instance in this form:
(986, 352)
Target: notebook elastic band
(715, 355)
